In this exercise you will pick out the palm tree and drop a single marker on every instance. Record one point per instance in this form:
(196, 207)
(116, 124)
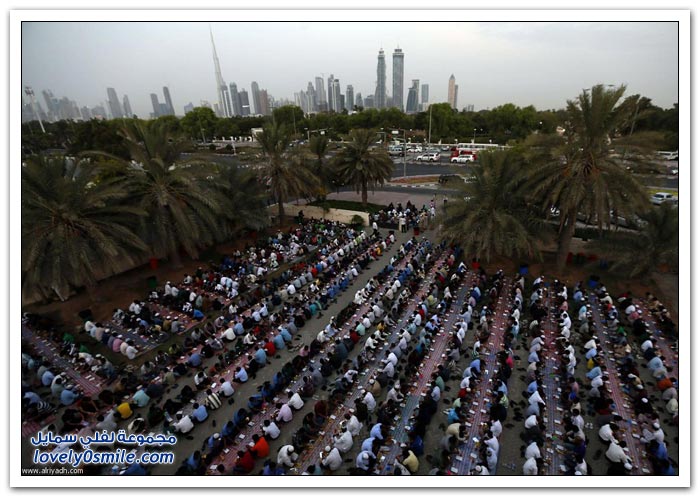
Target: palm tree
(288, 175)
(318, 146)
(362, 166)
(489, 216)
(580, 174)
(74, 231)
(245, 199)
(180, 210)
(656, 243)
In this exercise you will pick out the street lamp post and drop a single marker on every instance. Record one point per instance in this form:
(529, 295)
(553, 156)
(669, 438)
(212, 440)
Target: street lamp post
(474, 136)
(396, 132)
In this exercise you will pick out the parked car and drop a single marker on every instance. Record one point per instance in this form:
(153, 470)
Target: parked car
(430, 157)
(396, 150)
(414, 148)
(663, 198)
(462, 159)
(445, 148)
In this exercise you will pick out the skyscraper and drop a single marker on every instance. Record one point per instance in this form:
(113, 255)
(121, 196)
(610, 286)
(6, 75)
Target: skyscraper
(397, 79)
(349, 97)
(221, 88)
(264, 102)
(452, 92)
(114, 107)
(424, 93)
(321, 102)
(337, 100)
(156, 105)
(168, 101)
(412, 104)
(331, 96)
(127, 107)
(369, 102)
(235, 100)
(245, 104)
(358, 100)
(380, 92)
(456, 96)
(188, 108)
(311, 96)
(255, 94)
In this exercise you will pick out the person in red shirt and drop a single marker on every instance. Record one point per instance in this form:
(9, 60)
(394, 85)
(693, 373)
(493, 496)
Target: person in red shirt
(245, 462)
(261, 449)
(270, 349)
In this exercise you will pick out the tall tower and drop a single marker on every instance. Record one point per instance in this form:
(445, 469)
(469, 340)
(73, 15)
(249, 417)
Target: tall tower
(424, 93)
(255, 94)
(452, 92)
(235, 100)
(114, 105)
(397, 79)
(127, 107)
(349, 97)
(168, 101)
(221, 88)
(380, 92)
(156, 105)
(412, 103)
(321, 101)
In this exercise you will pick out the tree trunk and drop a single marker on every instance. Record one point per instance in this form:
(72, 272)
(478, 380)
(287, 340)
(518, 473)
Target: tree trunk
(364, 193)
(565, 238)
(280, 211)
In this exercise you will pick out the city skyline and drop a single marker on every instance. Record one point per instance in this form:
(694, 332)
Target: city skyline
(546, 83)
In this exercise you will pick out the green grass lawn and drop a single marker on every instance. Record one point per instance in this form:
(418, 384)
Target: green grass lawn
(349, 205)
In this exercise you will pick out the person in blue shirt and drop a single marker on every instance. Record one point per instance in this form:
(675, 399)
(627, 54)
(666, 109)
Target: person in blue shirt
(368, 444)
(475, 366)
(68, 396)
(417, 445)
(199, 413)
(279, 342)
(286, 335)
(197, 314)
(255, 402)
(260, 356)
(271, 469)
(238, 329)
(195, 360)
(240, 418)
(452, 417)
(532, 387)
(594, 373)
(141, 398)
(591, 353)
(194, 462)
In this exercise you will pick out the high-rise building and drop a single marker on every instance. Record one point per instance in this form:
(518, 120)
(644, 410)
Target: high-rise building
(452, 92)
(114, 106)
(156, 105)
(321, 101)
(331, 96)
(98, 112)
(358, 100)
(349, 97)
(397, 79)
(337, 100)
(369, 102)
(51, 105)
(164, 109)
(168, 101)
(380, 92)
(255, 94)
(311, 96)
(469, 108)
(456, 96)
(424, 93)
(264, 103)
(127, 107)
(221, 88)
(245, 104)
(412, 103)
(235, 100)
(188, 108)
(85, 113)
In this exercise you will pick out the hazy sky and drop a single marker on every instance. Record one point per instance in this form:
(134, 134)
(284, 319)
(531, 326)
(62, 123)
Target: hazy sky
(543, 63)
